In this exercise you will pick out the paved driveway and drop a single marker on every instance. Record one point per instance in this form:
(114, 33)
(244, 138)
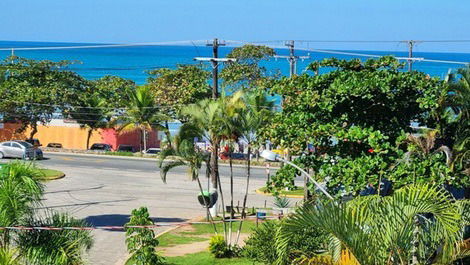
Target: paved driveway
(105, 190)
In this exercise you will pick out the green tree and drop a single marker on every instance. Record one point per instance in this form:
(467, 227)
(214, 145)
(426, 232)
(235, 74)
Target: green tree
(246, 71)
(142, 242)
(99, 101)
(175, 88)
(418, 221)
(141, 114)
(354, 115)
(458, 99)
(54, 247)
(185, 153)
(23, 95)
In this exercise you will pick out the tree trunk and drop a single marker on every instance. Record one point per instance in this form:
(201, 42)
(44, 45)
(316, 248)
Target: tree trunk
(144, 140)
(214, 164)
(209, 215)
(248, 173)
(231, 195)
(168, 135)
(90, 131)
(34, 130)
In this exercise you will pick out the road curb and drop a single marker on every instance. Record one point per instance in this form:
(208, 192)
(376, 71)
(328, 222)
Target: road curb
(139, 158)
(270, 194)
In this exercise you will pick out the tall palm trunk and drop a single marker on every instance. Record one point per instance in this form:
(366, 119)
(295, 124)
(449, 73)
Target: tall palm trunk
(144, 139)
(209, 215)
(248, 173)
(231, 195)
(214, 172)
(223, 207)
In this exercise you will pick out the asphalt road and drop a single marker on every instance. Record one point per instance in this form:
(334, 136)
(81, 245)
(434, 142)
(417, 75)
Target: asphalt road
(147, 165)
(103, 191)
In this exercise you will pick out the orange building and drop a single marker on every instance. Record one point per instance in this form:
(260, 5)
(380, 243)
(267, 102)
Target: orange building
(72, 136)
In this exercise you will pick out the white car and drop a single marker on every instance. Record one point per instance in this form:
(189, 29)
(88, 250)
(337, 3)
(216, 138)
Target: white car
(19, 149)
(152, 151)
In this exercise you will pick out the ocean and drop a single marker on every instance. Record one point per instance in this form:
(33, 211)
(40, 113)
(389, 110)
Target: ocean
(134, 62)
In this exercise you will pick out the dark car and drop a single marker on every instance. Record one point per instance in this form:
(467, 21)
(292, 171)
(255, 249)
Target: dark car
(35, 142)
(100, 147)
(54, 145)
(125, 148)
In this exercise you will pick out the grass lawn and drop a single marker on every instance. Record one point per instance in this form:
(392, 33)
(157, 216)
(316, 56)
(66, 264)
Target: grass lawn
(51, 174)
(205, 258)
(48, 174)
(198, 233)
(298, 192)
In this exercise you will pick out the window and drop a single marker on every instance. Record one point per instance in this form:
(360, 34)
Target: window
(6, 144)
(16, 145)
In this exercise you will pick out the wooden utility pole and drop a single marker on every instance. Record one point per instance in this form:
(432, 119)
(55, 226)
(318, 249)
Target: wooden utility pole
(215, 67)
(291, 58)
(411, 44)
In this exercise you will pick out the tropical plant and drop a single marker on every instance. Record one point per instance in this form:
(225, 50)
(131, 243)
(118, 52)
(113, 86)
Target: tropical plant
(9, 256)
(218, 247)
(20, 192)
(418, 222)
(184, 153)
(257, 113)
(259, 246)
(141, 114)
(281, 202)
(141, 242)
(55, 247)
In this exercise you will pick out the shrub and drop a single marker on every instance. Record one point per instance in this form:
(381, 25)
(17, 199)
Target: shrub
(218, 247)
(260, 245)
(141, 242)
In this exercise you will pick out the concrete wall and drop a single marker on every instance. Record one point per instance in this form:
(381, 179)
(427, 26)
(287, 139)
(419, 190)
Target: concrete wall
(71, 136)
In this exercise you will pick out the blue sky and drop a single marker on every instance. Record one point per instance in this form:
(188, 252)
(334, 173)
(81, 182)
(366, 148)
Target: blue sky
(124, 21)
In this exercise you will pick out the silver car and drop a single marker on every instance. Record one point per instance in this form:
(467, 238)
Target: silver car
(19, 149)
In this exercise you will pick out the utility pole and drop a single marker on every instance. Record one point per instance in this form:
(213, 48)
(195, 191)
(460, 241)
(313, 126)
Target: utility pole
(291, 58)
(215, 67)
(215, 60)
(411, 44)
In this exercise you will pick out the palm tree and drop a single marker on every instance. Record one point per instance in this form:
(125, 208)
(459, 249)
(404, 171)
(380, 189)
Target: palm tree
(417, 222)
(184, 153)
(208, 116)
(140, 114)
(20, 192)
(55, 247)
(251, 119)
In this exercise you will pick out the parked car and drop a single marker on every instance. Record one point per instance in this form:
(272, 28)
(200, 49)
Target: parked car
(54, 145)
(100, 147)
(152, 151)
(19, 149)
(35, 142)
(125, 148)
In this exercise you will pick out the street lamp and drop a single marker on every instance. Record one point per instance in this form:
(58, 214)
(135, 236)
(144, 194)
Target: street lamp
(271, 156)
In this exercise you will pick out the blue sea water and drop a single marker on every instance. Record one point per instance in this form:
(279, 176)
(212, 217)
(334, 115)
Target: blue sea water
(133, 62)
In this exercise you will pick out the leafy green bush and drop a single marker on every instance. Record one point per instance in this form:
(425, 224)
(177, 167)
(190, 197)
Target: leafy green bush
(260, 245)
(141, 242)
(218, 247)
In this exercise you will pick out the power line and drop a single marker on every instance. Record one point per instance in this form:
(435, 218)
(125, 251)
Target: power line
(99, 46)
